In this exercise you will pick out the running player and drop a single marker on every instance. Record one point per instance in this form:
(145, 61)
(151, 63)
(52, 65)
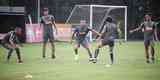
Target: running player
(10, 42)
(48, 21)
(109, 34)
(81, 38)
(149, 29)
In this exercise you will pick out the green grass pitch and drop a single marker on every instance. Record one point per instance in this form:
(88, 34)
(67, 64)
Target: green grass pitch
(130, 64)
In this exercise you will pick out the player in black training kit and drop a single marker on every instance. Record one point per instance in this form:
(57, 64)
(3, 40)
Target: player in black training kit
(81, 38)
(108, 36)
(10, 42)
(48, 21)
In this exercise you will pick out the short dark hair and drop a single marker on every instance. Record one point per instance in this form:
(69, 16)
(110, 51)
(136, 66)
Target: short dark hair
(109, 19)
(45, 8)
(150, 14)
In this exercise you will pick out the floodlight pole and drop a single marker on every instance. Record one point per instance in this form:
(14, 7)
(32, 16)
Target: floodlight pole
(90, 22)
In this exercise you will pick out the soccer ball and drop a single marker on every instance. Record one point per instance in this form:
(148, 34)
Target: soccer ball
(107, 65)
(28, 76)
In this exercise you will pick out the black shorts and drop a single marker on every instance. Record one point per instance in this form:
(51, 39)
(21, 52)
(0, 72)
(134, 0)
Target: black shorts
(108, 42)
(148, 42)
(48, 36)
(82, 42)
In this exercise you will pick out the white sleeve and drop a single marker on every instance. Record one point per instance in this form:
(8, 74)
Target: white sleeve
(104, 28)
(12, 36)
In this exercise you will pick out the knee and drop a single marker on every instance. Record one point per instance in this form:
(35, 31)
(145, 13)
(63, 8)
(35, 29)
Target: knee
(44, 43)
(17, 49)
(99, 46)
(52, 44)
(146, 47)
(10, 49)
(76, 46)
(111, 49)
(86, 46)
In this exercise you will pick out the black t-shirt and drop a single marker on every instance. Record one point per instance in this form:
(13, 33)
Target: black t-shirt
(109, 31)
(47, 23)
(10, 36)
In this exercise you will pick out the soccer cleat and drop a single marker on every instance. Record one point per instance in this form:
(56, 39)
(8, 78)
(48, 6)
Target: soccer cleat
(76, 57)
(91, 59)
(148, 61)
(94, 60)
(153, 60)
(53, 56)
(20, 61)
(43, 56)
(108, 65)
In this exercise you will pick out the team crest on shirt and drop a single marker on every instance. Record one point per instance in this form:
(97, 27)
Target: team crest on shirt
(149, 28)
(47, 20)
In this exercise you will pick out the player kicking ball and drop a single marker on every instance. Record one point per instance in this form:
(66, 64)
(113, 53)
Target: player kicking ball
(149, 29)
(10, 42)
(48, 21)
(109, 34)
(80, 34)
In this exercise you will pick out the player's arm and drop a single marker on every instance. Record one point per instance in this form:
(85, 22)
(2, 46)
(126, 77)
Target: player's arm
(119, 32)
(94, 31)
(55, 27)
(41, 22)
(54, 24)
(155, 32)
(73, 35)
(137, 29)
(11, 41)
(101, 32)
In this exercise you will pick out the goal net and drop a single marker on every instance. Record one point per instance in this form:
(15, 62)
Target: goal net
(95, 16)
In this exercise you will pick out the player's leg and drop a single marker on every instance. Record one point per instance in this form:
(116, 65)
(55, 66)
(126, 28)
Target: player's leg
(146, 44)
(18, 55)
(9, 48)
(44, 49)
(51, 39)
(85, 43)
(101, 44)
(10, 51)
(97, 50)
(111, 47)
(152, 51)
(77, 45)
(45, 39)
(53, 50)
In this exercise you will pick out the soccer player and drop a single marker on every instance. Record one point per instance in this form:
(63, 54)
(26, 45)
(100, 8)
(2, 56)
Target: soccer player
(48, 21)
(10, 42)
(81, 38)
(149, 29)
(109, 33)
